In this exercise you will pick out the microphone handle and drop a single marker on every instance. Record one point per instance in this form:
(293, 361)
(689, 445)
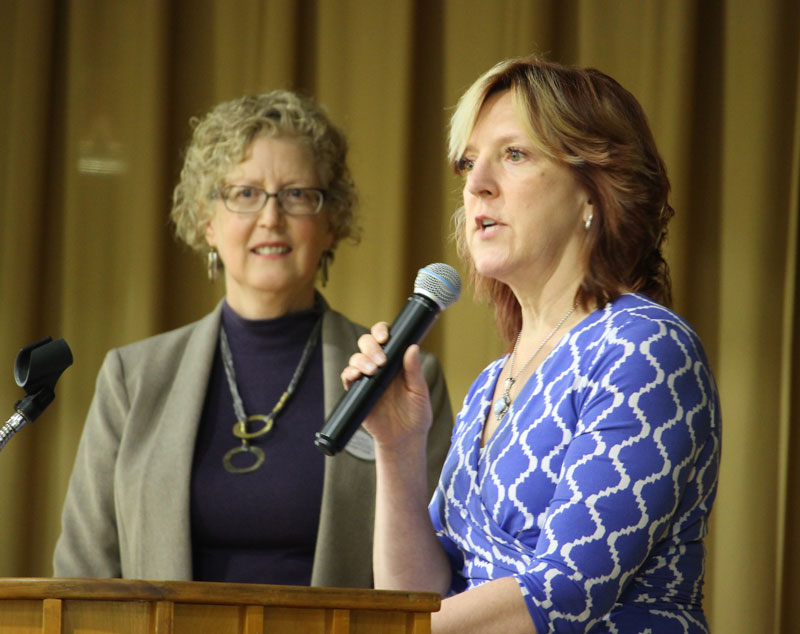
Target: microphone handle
(411, 325)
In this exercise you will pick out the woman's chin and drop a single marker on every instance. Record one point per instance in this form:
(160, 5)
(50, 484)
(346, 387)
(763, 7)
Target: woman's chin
(491, 268)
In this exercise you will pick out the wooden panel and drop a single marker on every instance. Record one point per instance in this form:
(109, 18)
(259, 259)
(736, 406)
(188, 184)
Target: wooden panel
(337, 622)
(51, 616)
(218, 594)
(20, 617)
(418, 623)
(279, 620)
(218, 619)
(370, 622)
(119, 617)
(254, 619)
(115, 606)
(207, 619)
(163, 617)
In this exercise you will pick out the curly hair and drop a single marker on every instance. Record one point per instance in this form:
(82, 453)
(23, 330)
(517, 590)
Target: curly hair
(586, 120)
(221, 139)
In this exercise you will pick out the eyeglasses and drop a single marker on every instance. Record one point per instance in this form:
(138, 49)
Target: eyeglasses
(294, 201)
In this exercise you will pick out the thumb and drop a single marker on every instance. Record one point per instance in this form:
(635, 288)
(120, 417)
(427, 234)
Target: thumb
(412, 369)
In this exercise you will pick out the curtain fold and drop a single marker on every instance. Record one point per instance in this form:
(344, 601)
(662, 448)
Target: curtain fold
(97, 98)
(788, 529)
(26, 71)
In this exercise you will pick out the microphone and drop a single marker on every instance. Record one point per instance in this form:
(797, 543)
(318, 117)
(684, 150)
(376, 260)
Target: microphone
(36, 369)
(435, 288)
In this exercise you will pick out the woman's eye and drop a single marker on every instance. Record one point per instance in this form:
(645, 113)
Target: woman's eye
(294, 193)
(515, 154)
(464, 165)
(245, 193)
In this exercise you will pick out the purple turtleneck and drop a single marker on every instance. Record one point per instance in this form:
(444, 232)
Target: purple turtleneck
(260, 527)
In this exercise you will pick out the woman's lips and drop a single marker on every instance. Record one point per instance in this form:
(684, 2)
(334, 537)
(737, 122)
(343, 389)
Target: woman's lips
(271, 249)
(484, 223)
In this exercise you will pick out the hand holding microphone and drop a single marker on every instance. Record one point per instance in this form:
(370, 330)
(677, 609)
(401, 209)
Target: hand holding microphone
(435, 288)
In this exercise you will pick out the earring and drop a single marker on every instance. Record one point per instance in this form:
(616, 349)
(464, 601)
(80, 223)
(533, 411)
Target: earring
(213, 264)
(324, 260)
(588, 222)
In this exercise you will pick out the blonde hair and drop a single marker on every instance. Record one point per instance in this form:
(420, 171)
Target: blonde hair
(582, 118)
(220, 141)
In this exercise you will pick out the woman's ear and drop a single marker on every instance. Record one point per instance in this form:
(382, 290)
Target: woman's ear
(588, 215)
(211, 236)
(329, 238)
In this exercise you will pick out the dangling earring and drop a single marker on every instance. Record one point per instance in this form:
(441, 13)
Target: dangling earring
(324, 260)
(588, 222)
(213, 264)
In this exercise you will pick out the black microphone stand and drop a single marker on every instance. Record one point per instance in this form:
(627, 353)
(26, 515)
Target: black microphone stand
(37, 368)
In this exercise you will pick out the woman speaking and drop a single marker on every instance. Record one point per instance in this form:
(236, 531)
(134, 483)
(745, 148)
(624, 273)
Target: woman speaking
(583, 467)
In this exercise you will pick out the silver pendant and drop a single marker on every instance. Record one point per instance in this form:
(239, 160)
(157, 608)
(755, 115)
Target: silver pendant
(501, 406)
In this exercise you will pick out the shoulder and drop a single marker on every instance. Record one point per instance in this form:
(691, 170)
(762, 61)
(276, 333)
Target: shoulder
(337, 327)
(636, 324)
(637, 349)
(341, 332)
(636, 313)
(165, 351)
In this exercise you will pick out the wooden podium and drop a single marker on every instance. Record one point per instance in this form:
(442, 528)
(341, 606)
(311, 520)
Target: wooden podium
(123, 606)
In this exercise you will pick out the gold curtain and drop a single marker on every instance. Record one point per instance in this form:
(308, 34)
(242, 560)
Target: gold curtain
(96, 96)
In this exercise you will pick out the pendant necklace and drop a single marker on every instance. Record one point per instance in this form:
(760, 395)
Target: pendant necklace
(502, 404)
(242, 419)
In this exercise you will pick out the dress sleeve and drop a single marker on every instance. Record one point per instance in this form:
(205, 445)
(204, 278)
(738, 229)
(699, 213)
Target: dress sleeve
(636, 473)
(88, 545)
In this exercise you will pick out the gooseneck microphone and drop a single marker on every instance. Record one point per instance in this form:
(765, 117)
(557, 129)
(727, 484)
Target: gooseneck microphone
(435, 288)
(36, 369)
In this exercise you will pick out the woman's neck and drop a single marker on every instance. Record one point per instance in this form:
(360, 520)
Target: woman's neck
(542, 308)
(267, 305)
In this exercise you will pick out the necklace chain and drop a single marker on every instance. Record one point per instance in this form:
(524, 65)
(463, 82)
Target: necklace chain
(502, 405)
(240, 428)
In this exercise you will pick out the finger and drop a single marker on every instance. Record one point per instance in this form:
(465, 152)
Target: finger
(359, 365)
(380, 331)
(363, 363)
(371, 349)
(349, 375)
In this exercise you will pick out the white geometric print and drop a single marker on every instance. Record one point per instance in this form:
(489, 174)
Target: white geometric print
(594, 491)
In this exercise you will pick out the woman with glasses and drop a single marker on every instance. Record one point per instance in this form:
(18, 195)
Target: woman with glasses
(197, 460)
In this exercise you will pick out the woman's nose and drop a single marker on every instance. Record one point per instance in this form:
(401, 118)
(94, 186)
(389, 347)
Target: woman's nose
(481, 180)
(271, 214)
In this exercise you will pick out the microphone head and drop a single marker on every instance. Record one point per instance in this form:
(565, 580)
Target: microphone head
(439, 282)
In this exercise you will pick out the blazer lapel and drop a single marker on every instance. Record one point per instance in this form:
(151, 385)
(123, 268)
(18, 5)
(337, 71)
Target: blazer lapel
(167, 539)
(344, 538)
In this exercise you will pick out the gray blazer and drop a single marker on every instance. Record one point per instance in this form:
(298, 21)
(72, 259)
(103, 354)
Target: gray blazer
(126, 512)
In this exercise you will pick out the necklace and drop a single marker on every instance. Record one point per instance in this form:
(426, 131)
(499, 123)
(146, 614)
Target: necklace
(502, 404)
(242, 419)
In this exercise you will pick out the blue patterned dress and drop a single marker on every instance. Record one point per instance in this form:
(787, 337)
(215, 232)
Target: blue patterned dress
(595, 489)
